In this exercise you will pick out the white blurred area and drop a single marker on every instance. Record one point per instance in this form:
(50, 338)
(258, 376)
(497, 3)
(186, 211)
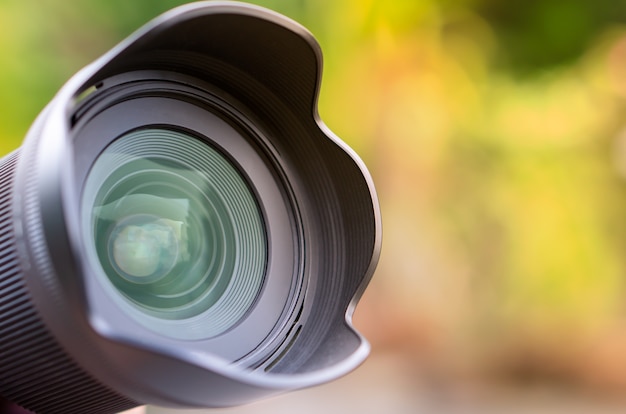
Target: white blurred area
(138, 410)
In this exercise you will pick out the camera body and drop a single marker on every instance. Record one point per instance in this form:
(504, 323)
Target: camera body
(179, 228)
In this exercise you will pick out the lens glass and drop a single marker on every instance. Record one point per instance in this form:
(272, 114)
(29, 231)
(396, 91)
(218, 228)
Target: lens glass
(176, 232)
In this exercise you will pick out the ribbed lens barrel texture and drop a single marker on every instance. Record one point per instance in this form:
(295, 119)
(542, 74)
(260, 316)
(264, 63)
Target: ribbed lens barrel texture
(35, 371)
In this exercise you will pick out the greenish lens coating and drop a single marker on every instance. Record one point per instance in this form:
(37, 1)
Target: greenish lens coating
(176, 232)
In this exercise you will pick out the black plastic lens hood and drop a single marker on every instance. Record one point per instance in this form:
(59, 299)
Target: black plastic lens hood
(245, 81)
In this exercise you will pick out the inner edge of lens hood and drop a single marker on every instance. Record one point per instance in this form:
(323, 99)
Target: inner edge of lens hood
(57, 119)
(187, 12)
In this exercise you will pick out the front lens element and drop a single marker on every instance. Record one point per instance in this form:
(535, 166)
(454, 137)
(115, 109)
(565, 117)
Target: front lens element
(176, 233)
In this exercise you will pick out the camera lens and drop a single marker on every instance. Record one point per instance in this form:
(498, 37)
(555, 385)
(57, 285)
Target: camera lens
(174, 232)
(180, 228)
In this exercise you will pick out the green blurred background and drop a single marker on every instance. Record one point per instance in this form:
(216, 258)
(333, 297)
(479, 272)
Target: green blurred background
(496, 135)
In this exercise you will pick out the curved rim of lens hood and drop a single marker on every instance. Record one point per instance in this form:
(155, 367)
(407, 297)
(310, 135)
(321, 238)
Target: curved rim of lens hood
(50, 148)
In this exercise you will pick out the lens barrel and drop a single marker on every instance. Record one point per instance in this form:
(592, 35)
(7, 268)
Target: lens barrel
(179, 228)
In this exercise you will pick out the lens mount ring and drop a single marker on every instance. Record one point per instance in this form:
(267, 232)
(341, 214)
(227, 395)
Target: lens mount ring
(134, 107)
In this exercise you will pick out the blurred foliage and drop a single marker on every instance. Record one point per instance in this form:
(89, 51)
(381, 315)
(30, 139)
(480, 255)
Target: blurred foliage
(564, 29)
(495, 133)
